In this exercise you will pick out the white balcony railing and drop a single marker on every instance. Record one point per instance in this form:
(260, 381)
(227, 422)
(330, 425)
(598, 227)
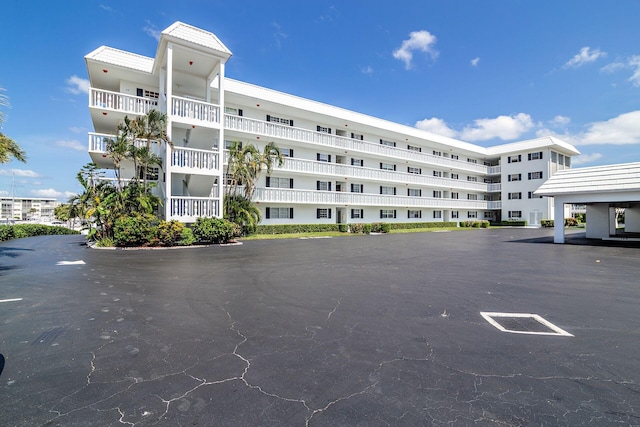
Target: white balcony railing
(194, 161)
(121, 102)
(188, 209)
(494, 205)
(494, 170)
(347, 171)
(194, 111)
(275, 130)
(279, 195)
(493, 188)
(98, 143)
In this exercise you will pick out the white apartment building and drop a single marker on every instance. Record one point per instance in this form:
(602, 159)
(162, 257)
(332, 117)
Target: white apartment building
(341, 166)
(36, 209)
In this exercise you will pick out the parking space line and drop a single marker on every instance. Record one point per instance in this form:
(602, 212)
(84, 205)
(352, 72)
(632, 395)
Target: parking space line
(11, 300)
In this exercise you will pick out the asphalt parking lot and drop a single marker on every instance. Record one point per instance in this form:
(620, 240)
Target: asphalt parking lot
(349, 331)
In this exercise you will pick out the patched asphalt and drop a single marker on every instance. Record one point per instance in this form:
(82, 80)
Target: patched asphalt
(350, 331)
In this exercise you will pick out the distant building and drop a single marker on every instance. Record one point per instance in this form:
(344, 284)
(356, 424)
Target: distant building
(27, 209)
(341, 166)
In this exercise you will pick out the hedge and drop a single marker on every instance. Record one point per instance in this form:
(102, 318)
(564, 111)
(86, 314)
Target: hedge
(17, 231)
(512, 223)
(412, 225)
(482, 223)
(296, 228)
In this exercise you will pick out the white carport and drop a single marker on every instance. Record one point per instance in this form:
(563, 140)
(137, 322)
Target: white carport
(602, 189)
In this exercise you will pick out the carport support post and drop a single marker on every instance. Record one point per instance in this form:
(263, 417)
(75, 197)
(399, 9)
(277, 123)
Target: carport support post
(558, 221)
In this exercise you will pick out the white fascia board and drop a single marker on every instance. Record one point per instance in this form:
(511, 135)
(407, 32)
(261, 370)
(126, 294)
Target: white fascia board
(533, 144)
(120, 58)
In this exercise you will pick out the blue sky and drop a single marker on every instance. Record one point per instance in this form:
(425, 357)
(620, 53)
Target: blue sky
(486, 72)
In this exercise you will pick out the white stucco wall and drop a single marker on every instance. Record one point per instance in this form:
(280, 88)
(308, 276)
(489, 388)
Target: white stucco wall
(597, 221)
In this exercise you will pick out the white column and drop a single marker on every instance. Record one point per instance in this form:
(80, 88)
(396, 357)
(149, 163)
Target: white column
(558, 220)
(167, 157)
(612, 221)
(221, 139)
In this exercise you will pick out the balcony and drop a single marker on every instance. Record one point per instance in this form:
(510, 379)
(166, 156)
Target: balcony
(192, 161)
(290, 196)
(194, 112)
(98, 148)
(294, 165)
(121, 102)
(252, 126)
(188, 209)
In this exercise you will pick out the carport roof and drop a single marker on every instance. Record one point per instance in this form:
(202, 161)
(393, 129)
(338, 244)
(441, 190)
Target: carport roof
(599, 179)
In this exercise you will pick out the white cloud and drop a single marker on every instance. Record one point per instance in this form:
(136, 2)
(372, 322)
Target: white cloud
(474, 61)
(585, 56)
(50, 192)
(418, 41)
(437, 126)
(621, 130)
(107, 8)
(78, 129)
(73, 144)
(77, 85)
(19, 172)
(502, 127)
(152, 30)
(278, 35)
(4, 193)
(634, 62)
(560, 121)
(367, 70)
(613, 67)
(583, 159)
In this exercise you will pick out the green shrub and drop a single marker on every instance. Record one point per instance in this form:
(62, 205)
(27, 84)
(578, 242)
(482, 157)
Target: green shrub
(186, 237)
(299, 228)
(136, 230)
(213, 230)
(366, 228)
(105, 242)
(570, 222)
(546, 223)
(17, 231)
(169, 233)
(357, 228)
(412, 225)
(512, 223)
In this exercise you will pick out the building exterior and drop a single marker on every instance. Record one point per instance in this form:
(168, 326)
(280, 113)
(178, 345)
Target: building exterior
(341, 166)
(27, 209)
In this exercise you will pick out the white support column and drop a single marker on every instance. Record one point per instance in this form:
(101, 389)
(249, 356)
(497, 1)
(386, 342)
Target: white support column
(168, 150)
(558, 220)
(221, 138)
(612, 221)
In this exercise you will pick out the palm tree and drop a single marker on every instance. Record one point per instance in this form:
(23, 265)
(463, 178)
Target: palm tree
(241, 211)
(150, 127)
(8, 147)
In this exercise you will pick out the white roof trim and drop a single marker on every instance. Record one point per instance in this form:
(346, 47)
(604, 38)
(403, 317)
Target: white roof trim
(121, 58)
(206, 39)
(598, 179)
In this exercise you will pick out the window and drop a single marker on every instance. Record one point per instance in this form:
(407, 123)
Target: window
(279, 213)
(437, 153)
(472, 214)
(357, 136)
(323, 129)
(228, 144)
(487, 215)
(437, 214)
(357, 162)
(472, 197)
(472, 178)
(533, 196)
(437, 174)
(414, 214)
(454, 214)
(535, 175)
(234, 111)
(417, 171)
(357, 188)
(287, 152)
(567, 161)
(357, 213)
(387, 143)
(414, 192)
(535, 156)
(276, 182)
(515, 177)
(387, 190)
(515, 196)
(515, 214)
(554, 157)
(323, 185)
(454, 156)
(323, 213)
(152, 173)
(515, 159)
(454, 195)
(472, 161)
(414, 148)
(387, 213)
(454, 176)
(280, 120)
(321, 157)
(437, 194)
(387, 166)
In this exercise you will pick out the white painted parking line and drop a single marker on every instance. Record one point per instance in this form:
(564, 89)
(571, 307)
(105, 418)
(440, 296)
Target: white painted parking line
(11, 300)
(504, 319)
(79, 262)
